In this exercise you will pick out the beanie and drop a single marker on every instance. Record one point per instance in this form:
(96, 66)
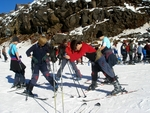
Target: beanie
(15, 39)
(99, 34)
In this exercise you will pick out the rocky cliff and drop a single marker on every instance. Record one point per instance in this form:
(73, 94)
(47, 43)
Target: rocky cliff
(61, 17)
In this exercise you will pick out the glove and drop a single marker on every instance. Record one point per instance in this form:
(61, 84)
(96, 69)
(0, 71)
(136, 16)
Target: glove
(45, 58)
(34, 60)
(19, 61)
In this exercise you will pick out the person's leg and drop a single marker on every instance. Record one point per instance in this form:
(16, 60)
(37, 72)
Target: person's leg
(33, 80)
(22, 78)
(130, 57)
(16, 80)
(94, 76)
(5, 57)
(76, 70)
(105, 67)
(60, 70)
(49, 78)
(110, 75)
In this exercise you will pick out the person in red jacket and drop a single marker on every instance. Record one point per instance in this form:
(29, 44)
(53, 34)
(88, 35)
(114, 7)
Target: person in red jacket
(64, 49)
(127, 48)
(98, 63)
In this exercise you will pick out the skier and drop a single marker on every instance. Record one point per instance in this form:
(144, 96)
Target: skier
(40, 52)
(131, 52)
(16, 64)
(139, 52)
(107, 52)
(123, 52)
(98, 64)
(4, 53)
(64, 48)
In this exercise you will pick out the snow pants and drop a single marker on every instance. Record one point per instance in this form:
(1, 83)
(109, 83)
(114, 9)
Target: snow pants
(101, 65)
(43, 68)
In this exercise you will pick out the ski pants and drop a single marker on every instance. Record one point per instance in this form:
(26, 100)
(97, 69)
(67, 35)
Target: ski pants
(43, 68)
(74, 67)
(101, 65)
(5, 57)
(19, 78)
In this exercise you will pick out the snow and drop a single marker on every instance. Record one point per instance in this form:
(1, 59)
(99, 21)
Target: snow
(132, 77)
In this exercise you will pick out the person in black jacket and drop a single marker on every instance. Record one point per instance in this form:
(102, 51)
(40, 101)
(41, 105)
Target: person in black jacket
(123, 52)
(40, 52)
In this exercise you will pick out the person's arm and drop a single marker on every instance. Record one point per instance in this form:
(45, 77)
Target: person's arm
(101, 48)
(76, 55)
(16, 52)
(28, 52)
(17, 55)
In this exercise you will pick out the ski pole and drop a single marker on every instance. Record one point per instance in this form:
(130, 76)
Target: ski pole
(54, 89)
(77, 81)
(62, 93)
(26, 90)
(74, 82)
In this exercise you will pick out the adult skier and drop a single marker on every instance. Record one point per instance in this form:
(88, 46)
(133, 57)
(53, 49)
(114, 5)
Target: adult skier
(40, 52)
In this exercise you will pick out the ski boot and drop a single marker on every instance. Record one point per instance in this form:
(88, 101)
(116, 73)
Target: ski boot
(29, 88)
(92, 86)
(117, 87)
(106, 81)
(16, 85)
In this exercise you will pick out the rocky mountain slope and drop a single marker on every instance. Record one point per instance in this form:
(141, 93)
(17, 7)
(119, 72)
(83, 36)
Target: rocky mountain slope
(57, 19)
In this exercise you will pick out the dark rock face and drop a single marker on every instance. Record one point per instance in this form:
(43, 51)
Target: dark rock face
(110, 16)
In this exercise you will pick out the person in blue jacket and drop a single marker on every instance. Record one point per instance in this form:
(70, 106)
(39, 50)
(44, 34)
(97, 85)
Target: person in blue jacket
(144, 54)
(40, 53)
(16, 64)
(107, 52)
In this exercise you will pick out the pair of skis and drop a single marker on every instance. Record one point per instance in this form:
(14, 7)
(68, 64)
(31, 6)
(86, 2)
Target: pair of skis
(34, 97)
(83, 107)
(109, 96)
(24, 94)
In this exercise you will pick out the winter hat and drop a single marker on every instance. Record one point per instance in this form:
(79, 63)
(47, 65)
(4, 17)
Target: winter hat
(42, 41)
(99, 34)
(15, 39)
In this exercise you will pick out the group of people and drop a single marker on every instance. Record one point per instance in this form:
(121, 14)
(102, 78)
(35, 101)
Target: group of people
(40, 52)
(103, 59)
(135, 52)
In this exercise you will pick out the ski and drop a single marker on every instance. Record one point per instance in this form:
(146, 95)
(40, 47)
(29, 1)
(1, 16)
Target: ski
(109, 96)
(121, 93)
(35, 97)
(16, 89)
(81, 108)
(102, 83)
(95, 108)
